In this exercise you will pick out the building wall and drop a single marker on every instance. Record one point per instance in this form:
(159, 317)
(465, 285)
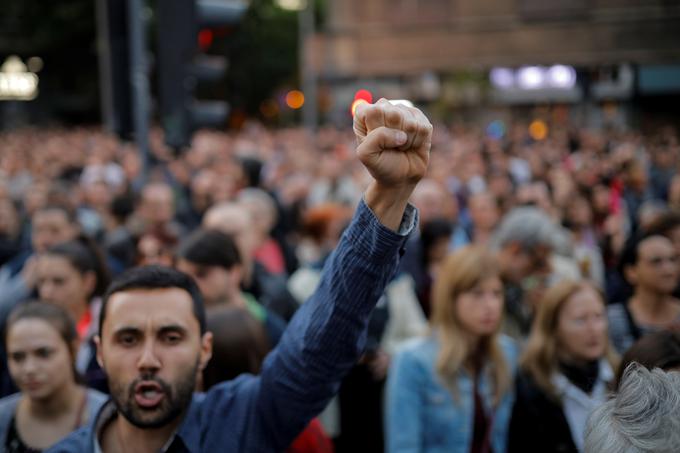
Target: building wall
(379, 38)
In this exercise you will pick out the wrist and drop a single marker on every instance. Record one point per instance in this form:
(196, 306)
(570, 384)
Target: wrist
(388, 203)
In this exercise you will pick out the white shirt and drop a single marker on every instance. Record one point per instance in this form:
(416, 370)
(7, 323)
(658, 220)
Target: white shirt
(577, 404)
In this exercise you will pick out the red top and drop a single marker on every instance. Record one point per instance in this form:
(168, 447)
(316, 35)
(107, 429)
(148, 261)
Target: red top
(83, 325)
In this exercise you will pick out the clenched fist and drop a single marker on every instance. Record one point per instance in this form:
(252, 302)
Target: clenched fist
(394, 145)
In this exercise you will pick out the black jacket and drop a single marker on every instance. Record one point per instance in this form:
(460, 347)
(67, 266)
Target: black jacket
(538, 423)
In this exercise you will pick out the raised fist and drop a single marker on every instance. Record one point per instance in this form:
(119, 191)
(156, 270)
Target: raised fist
(394, 143)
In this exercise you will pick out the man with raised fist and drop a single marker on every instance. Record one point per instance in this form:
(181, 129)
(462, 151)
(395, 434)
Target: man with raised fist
(153, 344)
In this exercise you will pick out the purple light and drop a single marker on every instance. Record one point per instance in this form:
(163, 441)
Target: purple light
(502, 78)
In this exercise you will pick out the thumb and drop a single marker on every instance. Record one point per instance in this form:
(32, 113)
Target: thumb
(381, 139)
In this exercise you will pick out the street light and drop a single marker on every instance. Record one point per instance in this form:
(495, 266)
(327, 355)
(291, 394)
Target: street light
(306, 29)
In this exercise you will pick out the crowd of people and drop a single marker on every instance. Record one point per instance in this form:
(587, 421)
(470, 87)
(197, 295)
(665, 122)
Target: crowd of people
(539, 286)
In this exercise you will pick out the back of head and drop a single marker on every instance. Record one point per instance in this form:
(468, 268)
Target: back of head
(643, 417)
(239, 345)
(210, 248)
(529, 227)
(261, 205)
(655, 350)
(228, 217)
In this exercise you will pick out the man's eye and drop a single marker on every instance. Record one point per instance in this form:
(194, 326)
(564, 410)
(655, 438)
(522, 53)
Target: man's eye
(127, 340)
(172, 338)
(17, 357)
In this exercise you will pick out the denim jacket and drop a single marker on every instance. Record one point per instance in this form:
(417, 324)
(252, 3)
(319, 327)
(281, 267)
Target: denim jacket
(422, 414)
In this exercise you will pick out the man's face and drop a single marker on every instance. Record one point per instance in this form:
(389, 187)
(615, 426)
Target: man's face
(519, 263)
(50, 227)
(157, 205)
(656, 269)
(152, 350)
(216, 283)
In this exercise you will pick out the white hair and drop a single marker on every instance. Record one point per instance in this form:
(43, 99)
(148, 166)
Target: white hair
(530, 227)
(644, 417)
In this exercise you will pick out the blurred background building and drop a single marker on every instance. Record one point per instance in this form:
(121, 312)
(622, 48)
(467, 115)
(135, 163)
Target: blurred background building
(617, 60)
(600, 63)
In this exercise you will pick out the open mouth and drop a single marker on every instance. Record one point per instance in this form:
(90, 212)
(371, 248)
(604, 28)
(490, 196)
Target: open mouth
(148, 394)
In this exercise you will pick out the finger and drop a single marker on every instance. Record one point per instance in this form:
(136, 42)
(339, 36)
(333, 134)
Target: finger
(410, 126)
(360, 129)
(424, 134)
(394, 116)
(375, 115)
(381, 139)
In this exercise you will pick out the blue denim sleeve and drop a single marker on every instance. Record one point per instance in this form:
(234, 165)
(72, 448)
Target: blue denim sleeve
(327, 335)
(403, 424)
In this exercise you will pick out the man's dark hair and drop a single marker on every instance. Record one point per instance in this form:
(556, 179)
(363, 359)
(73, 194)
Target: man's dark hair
(210, 248)
(665, 224)
(155, 277)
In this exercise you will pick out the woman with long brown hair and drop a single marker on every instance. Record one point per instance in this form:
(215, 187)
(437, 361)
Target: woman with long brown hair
(452, 390)
(565, 371)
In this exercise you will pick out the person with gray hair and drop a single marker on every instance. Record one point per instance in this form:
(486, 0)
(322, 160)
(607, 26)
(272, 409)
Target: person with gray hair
(524, 243)
(644, 417)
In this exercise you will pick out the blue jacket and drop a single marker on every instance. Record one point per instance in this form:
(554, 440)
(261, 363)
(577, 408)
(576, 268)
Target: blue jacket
(422, 415)
(323, 341)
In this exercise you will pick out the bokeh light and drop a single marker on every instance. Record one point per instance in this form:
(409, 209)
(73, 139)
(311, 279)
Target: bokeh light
(295, 99)
(538, 130)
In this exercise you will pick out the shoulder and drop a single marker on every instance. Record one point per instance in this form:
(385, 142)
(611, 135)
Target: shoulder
(95, 400)
(8, 406)
(76, 442)
(530, 394)
(617, 317)
(418, 347)
(8, 403)
(616, 310)
(420, 352)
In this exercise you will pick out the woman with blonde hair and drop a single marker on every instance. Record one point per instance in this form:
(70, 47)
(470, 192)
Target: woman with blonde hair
(452, 390)
(565, 372)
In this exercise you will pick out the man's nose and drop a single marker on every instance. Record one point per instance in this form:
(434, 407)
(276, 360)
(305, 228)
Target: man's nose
(148, 361)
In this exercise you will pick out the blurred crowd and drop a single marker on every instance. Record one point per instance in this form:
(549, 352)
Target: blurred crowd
(539, 270)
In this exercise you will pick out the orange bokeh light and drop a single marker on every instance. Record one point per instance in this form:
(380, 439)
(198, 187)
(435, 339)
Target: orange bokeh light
(295, 99)
(538, 130)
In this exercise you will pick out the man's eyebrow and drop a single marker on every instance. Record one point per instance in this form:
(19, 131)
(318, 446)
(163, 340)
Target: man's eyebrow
(127, 330)
(172, 328)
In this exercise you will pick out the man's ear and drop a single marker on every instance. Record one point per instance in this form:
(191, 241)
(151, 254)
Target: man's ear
(206, 350)
(236, 276)
(98, 344)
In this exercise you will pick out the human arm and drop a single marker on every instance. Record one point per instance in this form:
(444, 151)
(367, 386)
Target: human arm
(327, 335)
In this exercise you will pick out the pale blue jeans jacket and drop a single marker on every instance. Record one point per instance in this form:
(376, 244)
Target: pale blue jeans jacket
(423, 415)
